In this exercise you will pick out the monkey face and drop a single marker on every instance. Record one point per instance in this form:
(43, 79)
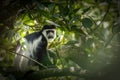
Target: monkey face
(50, 34)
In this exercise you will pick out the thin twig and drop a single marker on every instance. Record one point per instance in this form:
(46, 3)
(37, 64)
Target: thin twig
(31, 59)
(108, 8)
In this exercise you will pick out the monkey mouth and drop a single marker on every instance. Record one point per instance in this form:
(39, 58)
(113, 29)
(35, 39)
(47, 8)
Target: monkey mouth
(50, 37)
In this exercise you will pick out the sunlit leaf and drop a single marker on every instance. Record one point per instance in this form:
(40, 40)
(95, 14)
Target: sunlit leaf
(75, 10)
(26, 17)
(74, 19)
(86, 10)
(29, 23)
(17, 36)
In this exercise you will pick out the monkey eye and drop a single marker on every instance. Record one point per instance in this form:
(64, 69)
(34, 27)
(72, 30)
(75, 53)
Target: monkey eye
(49, 31)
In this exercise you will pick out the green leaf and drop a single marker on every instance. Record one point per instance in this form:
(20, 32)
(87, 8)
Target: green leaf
(64, 10)
(77, 29)
(75, 10)
(72, 42)
(87, 23)
(51, 7)
(86, 10)
(26, 17)
(75, 18)
(29, 23)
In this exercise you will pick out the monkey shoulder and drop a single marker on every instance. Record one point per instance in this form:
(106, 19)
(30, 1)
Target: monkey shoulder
(37, 39)
(31, 37)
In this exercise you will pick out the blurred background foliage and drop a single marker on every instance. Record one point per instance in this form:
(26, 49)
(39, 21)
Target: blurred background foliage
(88, 31)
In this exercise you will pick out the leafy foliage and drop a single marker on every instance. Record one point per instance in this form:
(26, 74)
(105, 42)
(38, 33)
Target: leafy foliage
(87, 33)
(87, 22)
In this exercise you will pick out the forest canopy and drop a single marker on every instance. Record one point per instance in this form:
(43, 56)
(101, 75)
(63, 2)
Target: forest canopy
(87, 43)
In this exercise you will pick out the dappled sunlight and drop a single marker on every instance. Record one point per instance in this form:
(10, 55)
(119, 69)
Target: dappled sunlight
(87, 40)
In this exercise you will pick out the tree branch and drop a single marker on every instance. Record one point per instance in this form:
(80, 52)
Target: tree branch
(54, 72)
(107, 11)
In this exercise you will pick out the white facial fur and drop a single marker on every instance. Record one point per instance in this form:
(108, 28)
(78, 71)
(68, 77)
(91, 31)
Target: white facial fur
(46, 35)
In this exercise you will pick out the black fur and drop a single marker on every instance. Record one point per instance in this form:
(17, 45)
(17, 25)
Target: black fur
(48, 27)
(41, 49)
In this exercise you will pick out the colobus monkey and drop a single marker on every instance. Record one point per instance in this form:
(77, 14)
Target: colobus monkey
(34, 46)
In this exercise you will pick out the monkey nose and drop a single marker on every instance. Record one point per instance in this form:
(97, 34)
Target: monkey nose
(50, 37)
